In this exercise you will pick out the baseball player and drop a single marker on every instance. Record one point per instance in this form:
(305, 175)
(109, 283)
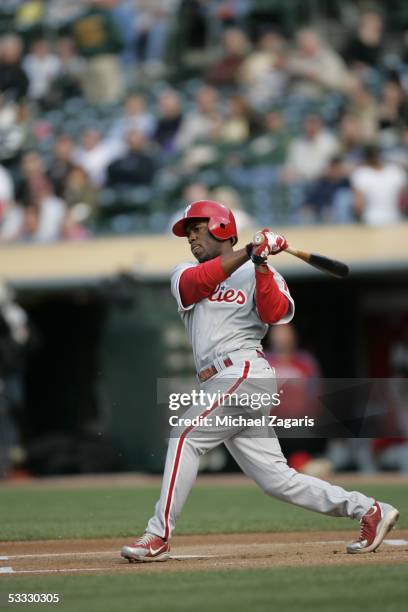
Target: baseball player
(227, 301)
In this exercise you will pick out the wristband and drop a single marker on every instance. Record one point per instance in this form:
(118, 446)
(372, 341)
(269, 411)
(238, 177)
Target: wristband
(258, 261)
(248, 248)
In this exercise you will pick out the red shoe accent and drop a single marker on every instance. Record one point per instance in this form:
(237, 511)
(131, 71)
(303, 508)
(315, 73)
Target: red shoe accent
(149, 547)
(369, 524)
(375, 524)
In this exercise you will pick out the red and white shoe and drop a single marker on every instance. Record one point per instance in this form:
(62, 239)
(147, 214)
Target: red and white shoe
(149, 547)
(375, 524)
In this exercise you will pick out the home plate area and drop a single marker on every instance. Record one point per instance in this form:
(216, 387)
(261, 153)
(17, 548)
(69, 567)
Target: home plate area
(198, 552)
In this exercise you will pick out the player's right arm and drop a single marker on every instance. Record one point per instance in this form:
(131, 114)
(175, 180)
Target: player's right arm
(198, 282)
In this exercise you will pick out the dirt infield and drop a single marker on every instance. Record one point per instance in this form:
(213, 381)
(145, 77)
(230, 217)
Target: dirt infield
(133, 479)
(210, 552)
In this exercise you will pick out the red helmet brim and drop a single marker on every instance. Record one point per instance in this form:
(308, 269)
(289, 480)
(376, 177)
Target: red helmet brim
(179, 228)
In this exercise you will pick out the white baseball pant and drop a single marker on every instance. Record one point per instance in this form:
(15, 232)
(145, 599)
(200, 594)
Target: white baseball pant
(258, 453)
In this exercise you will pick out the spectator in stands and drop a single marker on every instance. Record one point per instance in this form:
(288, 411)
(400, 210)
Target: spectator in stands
(194, 26)
(272, 146)
(351, 139)
(78, 189)
(13, 130)
(135, 167)
(11, 222)
(51, 214)
(43, 221)
(230, 198)
(42, 67)
(196, 191)
(95, 155)
(228, 12)
(29, 15)
(364, 47)
(393, 110)
(329, 198)
(380, 190)
(61, 163)
(169, 121)
(192, 192)
(225, 71)
(315, 67)
(61, 14)
(44, 210)
(135, 117)
(261, 165)
(152, 29)
(364, 106)
(310, 153)
(13, 79)
(218, 134)
(69, 80)
(124, 15)
(6, 189)
(398, 153)
(72, 226)
(11, 215)
(239, 123)
(98, 40)
(200, 121)
(30, 224)
(34, 180)
(263, 72)
(203, 155)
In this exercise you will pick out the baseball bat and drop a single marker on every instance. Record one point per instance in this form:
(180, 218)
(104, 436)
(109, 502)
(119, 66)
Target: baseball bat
(322, 263)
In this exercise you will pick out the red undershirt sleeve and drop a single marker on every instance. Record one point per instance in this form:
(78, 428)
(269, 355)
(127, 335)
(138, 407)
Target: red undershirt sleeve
(271, 303)
(198, 282)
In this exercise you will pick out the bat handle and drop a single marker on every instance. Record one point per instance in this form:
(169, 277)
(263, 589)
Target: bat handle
(297, 253)
(258, 238)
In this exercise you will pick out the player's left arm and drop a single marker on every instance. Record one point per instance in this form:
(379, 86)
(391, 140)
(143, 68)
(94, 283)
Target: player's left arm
(273, 300)
(271, 303)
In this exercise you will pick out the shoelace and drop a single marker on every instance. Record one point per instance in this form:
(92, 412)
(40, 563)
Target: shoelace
(146, 538)
(364, 529)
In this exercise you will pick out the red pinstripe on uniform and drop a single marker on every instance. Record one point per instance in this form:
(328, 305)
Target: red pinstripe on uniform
(180, 447)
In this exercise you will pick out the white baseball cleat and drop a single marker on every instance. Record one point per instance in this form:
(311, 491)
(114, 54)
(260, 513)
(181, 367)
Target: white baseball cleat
(375, 524)
(149, 547)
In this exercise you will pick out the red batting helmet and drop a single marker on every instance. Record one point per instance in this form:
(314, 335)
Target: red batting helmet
(221, 221)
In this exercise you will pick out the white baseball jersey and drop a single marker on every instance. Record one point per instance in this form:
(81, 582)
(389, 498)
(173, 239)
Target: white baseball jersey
(227, 320)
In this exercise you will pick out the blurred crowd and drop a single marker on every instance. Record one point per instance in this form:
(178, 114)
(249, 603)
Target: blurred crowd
(113, 113)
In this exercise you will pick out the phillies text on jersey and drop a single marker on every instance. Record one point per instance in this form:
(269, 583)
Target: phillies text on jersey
(227, 320)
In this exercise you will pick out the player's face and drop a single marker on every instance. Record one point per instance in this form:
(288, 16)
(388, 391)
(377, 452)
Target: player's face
(203, 246)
